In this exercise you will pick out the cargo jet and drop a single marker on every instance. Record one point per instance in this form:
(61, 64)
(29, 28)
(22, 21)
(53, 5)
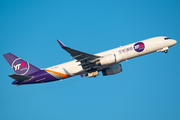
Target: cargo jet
(85, 64)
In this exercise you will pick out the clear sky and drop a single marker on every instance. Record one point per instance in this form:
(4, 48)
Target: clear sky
(147, 89)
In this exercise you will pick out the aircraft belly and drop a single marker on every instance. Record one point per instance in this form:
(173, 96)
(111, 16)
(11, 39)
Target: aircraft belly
(61, 72)
(55, 75)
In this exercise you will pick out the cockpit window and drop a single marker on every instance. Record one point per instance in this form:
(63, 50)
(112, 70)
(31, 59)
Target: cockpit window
(167, 38)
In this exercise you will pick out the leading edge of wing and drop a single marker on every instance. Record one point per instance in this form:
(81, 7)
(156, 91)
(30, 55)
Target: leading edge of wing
(78, 55)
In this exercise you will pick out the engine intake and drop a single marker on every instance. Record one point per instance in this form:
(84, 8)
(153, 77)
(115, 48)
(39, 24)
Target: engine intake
(112, 70)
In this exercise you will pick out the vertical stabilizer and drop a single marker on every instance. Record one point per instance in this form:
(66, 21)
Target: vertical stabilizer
(19, 65)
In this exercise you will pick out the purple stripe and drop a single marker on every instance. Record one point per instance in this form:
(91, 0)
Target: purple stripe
(39, 77)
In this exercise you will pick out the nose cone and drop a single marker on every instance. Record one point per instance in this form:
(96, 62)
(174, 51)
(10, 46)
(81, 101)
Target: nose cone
(174, 42)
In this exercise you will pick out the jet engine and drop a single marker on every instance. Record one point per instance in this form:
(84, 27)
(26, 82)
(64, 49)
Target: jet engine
(163, 50)
(110, 59)
(112, 70)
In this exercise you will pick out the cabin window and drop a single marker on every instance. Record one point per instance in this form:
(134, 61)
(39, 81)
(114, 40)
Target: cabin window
(167, 38)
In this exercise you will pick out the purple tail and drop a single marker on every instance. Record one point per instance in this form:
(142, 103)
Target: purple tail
(19, 65)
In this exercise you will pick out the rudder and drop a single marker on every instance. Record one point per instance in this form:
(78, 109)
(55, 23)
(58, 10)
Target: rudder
(19, 65)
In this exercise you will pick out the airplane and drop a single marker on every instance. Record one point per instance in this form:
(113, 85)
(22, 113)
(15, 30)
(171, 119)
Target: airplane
(85, 64)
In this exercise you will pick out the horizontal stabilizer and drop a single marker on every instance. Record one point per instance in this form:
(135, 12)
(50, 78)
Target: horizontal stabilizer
(19, 78)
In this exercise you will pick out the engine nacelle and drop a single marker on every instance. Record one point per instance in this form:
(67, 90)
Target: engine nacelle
(112, 70)
(110, 59)
(163, 50)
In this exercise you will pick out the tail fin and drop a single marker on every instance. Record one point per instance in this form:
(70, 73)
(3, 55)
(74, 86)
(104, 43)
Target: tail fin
(19, 65)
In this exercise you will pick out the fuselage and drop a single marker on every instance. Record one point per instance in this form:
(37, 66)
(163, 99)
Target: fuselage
(127, 52)
(73, 68)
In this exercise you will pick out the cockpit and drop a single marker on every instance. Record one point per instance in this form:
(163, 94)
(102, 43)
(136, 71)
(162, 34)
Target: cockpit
(167, 38)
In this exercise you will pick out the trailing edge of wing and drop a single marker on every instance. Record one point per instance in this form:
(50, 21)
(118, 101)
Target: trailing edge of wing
(19, 77)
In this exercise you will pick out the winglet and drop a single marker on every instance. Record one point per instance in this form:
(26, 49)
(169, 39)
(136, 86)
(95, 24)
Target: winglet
(61, 44)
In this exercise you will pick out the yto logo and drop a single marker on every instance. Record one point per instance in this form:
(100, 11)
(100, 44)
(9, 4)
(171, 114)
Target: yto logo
(139, 47)
(20, 66)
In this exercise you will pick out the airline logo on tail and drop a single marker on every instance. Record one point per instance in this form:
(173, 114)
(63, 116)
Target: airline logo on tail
(20, 66)
(139, 47)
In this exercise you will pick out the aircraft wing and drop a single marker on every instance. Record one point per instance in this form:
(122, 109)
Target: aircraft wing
(87, 60)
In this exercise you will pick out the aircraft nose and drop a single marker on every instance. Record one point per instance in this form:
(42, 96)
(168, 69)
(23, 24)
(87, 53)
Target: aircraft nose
(174, 42)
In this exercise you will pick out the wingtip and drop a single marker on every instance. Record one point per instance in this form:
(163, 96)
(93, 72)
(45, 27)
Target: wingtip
(61, 44)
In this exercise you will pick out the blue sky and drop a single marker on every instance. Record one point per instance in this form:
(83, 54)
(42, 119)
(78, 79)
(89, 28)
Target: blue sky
(148, 88)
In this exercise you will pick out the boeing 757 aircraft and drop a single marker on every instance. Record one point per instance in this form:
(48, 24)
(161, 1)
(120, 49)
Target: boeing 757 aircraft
(85, 64)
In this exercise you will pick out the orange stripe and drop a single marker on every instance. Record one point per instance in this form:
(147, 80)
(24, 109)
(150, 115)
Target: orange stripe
(60, 74)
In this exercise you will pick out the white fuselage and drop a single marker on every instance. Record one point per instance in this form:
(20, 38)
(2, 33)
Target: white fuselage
(73, 68)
